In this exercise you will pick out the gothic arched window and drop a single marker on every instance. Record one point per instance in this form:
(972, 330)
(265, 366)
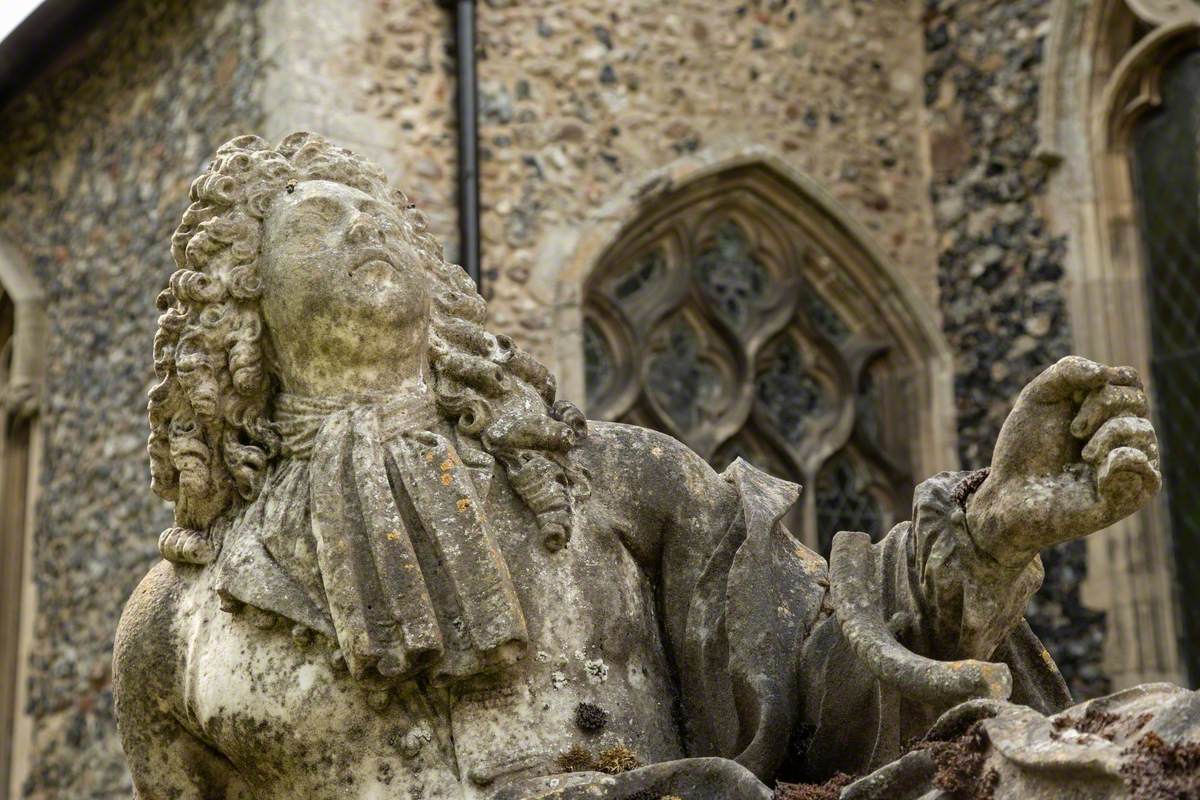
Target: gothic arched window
(22, 350)
(1119, 116)
(14, 451)
(728, 319)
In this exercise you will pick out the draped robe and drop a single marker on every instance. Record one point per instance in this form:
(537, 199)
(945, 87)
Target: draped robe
(733, 630)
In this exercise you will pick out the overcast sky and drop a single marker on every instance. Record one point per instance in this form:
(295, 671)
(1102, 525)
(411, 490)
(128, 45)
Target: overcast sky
(12, 12)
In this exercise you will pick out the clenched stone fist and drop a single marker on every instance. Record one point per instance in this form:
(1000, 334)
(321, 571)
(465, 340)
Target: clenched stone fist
(1076, 454)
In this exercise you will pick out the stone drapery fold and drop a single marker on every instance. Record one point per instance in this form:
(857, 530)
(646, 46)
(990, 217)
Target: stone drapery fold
(379, 511)
(747, 618)
(939, 600)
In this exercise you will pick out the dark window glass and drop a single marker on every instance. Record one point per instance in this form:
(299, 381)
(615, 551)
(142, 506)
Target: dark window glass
(843, 504)
(1166, 159)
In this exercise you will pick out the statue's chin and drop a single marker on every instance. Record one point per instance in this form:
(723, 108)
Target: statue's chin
(374, 300)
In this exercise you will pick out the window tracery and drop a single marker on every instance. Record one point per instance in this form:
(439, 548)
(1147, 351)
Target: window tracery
(705, 321)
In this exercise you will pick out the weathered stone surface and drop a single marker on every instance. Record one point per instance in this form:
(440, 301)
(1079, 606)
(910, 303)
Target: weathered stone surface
(398, 566)
(98, 156)
(1143, 742)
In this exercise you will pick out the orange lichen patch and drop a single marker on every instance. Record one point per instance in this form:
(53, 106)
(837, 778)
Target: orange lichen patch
(446, 479)
(463, 504)
(429, 457)
(617, 759)
(448, 464)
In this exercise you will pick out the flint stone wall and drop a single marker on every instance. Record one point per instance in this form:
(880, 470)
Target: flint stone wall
(582, 101)
(1000, 268)
(95, 164)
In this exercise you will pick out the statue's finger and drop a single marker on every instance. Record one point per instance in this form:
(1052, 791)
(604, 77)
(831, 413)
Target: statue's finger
(1122, 432)
(1124, 376)
(1125, 480)
(1108, 401)
(1065, 377)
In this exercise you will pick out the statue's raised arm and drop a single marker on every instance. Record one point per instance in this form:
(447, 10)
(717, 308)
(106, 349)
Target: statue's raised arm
(934, 611)
(401, 567)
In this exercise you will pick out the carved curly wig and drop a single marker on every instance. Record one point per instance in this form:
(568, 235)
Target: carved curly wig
(211, 435)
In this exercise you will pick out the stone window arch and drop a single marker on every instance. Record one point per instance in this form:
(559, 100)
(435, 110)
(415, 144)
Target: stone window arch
(746, 317)
(22, 365)
(1111, 115)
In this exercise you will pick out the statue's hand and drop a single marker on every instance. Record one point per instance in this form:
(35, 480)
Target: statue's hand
(1076, 454)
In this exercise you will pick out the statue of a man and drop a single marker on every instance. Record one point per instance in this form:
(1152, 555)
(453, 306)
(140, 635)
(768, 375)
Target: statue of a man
(400, 569)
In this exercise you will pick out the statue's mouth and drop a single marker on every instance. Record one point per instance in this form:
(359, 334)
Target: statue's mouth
(383, 260)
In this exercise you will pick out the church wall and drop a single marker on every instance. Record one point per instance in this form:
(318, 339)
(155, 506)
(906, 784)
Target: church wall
(377, 77)
(1000, 265)
(95, 164)
(586, 104)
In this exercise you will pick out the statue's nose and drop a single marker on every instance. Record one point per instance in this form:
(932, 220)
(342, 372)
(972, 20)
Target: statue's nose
(364, 229)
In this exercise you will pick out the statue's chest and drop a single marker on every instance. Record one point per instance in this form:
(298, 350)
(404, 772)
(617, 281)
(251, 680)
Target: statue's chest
(294, 724)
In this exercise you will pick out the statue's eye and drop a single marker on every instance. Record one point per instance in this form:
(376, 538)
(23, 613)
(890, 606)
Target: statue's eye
(382, 214)
(316, 218)
(317, 212)
(190, 363)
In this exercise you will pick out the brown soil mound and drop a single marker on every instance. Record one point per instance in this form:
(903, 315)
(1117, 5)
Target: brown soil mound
(829, 790)
(1163, 771)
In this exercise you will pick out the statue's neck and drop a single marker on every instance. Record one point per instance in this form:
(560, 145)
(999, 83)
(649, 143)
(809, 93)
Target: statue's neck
(393, 363)
(300, 418)
(406, 395)
(412, 379)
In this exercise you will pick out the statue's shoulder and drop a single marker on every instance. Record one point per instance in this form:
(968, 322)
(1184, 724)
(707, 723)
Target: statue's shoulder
(156, 595)
(146, 641)
(602, 433)
(626, 446)
(629, 460)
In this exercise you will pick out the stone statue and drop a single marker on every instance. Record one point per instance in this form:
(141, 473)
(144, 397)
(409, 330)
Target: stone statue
(400, 569)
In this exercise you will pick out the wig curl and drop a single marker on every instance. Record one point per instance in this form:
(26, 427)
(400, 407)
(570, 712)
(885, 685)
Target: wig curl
(211, 436)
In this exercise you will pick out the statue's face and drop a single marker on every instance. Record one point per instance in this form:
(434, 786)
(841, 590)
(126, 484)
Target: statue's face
(345, 299)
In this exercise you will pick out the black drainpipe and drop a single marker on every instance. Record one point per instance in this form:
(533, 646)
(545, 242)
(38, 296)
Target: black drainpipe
(468, 138)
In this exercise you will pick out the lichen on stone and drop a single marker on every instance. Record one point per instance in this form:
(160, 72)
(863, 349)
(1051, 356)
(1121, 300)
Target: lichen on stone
(617, 759)
(590, 717)
(576, 758)
(1161, 770)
